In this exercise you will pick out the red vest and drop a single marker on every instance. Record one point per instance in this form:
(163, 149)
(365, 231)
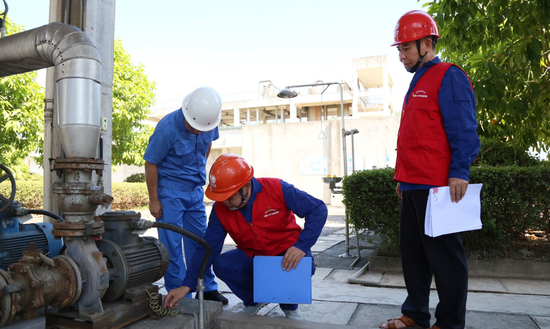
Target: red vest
(273, 229)
(423, 152)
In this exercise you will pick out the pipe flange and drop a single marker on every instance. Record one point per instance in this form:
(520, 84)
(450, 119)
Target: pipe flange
(71, 229)
(85, 164)
(78, 163)
(72, 285)
(7, 303)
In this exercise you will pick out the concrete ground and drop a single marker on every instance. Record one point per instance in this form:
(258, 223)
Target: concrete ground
(492, 302)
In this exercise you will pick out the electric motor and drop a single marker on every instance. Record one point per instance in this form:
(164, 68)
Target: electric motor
(132, 260)
(15, 236)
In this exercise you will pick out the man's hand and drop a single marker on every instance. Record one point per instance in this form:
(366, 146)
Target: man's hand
(398, 190)
(174, 295)
(292, 257)
(458, 188)
(155, 207)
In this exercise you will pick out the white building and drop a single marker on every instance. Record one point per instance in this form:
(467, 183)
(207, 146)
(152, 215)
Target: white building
(300, 139)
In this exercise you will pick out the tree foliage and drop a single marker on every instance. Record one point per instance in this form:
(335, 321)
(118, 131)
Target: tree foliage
(503, 45)
(133, 95)
(21, 114)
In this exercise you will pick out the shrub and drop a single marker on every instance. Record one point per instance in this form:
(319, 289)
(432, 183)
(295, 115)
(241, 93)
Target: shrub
(135, 178)
(513, 199)
(129, 196)
(372, 204)
(29, 194)
(497, 153)
(126, 196)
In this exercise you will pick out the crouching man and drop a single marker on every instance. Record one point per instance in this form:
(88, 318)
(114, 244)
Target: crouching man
(258, 214)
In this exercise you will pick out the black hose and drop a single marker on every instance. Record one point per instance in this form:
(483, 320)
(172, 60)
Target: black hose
(193, 237)
(45, 212)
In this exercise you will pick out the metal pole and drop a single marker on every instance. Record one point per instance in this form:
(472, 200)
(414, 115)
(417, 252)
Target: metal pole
(346, 238)
(344, 149)
(200, 291)
(352, 154)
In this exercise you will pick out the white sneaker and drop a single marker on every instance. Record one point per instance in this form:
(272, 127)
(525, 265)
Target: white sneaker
(293, 315)
(251, 309)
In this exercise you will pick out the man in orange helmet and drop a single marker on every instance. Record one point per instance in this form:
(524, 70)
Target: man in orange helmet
(437, 142)
(258, 214)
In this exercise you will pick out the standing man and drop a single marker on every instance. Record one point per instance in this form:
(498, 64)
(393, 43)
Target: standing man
(258, 214)
(175, 172)
(437, 143)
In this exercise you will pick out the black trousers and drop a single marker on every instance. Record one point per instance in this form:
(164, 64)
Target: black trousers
(422, 257)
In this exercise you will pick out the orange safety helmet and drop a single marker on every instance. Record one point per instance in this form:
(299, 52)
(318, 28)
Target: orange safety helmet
(228, 174)
(414, 25)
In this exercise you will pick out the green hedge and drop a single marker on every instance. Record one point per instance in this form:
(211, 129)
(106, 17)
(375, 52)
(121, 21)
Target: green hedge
(513, 199)
(135, 178)
(28, 193)
(126, 196)
(129, 196)
(496, 153)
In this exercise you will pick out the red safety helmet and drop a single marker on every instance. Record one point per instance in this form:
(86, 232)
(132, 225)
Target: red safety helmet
(228, 174)
(414, 25)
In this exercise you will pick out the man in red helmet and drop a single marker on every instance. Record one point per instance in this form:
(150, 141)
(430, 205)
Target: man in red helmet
(258, 214)
(437, 142)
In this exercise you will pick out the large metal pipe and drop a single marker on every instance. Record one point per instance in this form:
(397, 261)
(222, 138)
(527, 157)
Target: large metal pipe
(77, 68)
(77, 76)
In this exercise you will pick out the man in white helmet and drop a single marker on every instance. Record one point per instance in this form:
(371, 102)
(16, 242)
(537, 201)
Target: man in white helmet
(175, 172)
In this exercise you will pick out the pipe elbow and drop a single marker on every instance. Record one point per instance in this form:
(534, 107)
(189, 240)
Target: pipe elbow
(70, 50)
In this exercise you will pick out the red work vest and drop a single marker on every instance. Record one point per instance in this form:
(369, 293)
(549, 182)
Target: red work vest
(423, 152)
(273, 229)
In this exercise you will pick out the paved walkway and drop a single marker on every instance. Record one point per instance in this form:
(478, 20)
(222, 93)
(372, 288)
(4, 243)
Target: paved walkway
(492, 303)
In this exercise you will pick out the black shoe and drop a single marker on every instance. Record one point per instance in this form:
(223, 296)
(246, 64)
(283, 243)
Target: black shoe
(215, 296)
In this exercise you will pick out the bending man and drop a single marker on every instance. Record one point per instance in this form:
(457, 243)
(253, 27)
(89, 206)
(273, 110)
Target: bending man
(258, 214)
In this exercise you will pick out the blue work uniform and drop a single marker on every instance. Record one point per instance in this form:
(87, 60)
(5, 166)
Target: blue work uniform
(180, 157)
(234, 267)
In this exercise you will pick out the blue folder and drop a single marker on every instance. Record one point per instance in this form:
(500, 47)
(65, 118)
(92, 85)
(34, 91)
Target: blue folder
(274, 285)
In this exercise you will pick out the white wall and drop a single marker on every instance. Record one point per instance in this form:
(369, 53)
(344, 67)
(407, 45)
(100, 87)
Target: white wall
(295, 151)
(281, 150)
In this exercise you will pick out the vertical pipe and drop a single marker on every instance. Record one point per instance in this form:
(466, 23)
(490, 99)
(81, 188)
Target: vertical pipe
(67, 12)
(352, 154)
(50, 203)
(346, 240)
(344, 149)
(200, 292)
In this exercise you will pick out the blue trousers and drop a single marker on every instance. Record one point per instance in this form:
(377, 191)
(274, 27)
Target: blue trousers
(184, 209)
(236, 269)
(422, 257)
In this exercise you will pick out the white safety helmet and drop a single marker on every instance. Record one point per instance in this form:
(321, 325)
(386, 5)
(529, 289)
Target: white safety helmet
(202, 108)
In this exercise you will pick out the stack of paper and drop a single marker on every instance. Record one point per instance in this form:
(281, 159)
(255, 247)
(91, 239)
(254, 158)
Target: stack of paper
(446, 217)
(274, 285)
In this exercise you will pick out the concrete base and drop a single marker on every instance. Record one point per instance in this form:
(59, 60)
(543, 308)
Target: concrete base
(503, 268)
(188, 317)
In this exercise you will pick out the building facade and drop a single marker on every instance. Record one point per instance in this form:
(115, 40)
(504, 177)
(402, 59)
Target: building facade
(300, 139)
